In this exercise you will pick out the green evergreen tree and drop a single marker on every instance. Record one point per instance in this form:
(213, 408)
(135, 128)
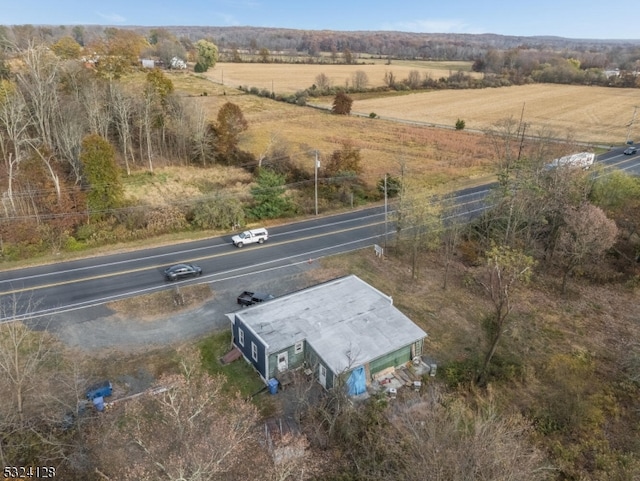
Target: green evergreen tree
(101, 174)
(268, 195)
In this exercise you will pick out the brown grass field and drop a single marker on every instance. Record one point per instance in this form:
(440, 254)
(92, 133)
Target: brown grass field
(436, 155)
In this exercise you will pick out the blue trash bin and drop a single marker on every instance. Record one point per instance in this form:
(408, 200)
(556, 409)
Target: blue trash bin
(273, 386)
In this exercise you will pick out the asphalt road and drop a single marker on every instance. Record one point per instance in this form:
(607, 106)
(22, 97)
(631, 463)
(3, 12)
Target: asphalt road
(615, 159)
(87, 282)
(73, 285)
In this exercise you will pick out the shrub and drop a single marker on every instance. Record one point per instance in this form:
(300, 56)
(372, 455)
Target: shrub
(217, 213)
(373, 115)
(71, 244)
(460, 124)
(161, 220)
(460, 372)
(84, 231)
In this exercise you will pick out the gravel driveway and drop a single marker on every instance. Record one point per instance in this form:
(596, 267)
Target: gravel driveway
(101, 329)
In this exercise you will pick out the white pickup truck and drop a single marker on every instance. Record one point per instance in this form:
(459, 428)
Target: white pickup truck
(250, 237)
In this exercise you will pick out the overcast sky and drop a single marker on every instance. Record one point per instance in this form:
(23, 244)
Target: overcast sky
(612, 19)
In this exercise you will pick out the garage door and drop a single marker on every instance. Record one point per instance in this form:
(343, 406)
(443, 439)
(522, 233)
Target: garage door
(396, 358)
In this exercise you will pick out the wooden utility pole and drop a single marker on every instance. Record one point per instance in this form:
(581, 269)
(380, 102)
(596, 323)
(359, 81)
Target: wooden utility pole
(630, 124)
(316, 165)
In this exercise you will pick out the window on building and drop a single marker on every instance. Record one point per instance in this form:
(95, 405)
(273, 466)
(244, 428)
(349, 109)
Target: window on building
(241, 337)
(299, 347)
(254, 351)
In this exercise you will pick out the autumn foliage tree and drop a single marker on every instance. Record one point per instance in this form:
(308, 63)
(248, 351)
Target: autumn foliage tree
(231, 123)
(67, 48)
(347, 159)
(341, 104)
(118, 51)
(207, 55)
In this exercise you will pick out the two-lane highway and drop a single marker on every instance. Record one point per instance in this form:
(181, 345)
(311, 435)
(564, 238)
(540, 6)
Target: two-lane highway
(64, 286)
(85, 282)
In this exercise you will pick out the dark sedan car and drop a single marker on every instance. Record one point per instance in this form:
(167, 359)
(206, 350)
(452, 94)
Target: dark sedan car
(630, 150)
(181, 271)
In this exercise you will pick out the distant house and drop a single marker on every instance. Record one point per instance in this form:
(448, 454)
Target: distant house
(177, 64)
(341, 328)
(148, 63)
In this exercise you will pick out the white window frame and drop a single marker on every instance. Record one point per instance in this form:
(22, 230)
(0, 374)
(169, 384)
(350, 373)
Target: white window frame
(254, 351)
(241, 337)
(299, 347)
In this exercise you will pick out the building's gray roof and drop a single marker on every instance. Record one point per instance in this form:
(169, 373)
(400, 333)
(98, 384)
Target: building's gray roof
(346, 321)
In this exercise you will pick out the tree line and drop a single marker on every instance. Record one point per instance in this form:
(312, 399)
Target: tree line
(66, 131)
(69, 133)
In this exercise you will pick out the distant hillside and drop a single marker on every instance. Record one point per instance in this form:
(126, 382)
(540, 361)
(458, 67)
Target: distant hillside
(384, 42)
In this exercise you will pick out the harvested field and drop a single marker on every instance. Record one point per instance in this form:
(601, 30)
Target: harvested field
(594, 114)
(289, 78)
(598, 115)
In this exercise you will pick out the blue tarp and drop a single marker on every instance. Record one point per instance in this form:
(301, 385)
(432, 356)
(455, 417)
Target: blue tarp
(357, 383)
(102, 389)
(98, 402)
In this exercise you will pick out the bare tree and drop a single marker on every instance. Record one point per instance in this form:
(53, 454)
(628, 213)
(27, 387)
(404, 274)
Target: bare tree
(69, 131)
(201, 135)
(123, 108)
(413, 79)
(95, 101)
(191, 431)
(390, 79)
(359, 80)
(503, 137)
(453, 225)
(146, 108)
(586, 235)
(323, 82)
(442, 438)
(15, 122)
(504, 270)
(23, 354)
(39, 82)
(419, 222)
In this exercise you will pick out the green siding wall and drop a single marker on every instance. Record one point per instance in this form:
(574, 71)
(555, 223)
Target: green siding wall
(295, 360)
